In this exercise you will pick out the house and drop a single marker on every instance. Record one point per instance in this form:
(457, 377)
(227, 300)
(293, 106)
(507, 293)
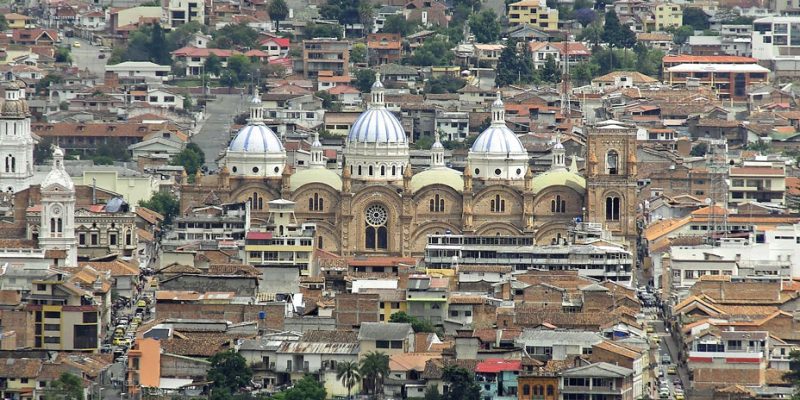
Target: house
(275, 47)
(576, 52)
(325, 55)
(81, 137)
(317, 353)
(150, 72)
(125, 275)
(17, 21)
(398, 76)
(164, 143)
(533, 12)
(560, 344)
(656, 40)
(161, 98)
(427, 298)
(498, 378)
(405, 374)
(35, 36)
(427, 13)
(347, 95)
(613, 381)
(668, 15)
(384, 48)
(623, 79)
(182, 12)
(93, 20)
(624, 355)
(19, 377)
(195, 58)
(390, 338)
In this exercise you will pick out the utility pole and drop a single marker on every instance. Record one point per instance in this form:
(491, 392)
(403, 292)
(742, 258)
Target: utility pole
(566, 108)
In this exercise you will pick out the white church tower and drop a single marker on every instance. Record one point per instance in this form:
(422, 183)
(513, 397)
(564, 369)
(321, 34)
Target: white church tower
(16, 141)
(57, 225)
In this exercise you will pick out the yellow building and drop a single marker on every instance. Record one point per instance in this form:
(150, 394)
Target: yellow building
(133, 186)
(668, 15)
(17, 21)
(66, 317)
(534, 13)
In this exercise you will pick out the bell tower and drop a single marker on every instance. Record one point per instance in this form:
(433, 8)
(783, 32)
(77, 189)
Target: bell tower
(611, 181)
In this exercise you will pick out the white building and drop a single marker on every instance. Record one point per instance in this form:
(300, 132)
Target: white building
(16, 141)
(150, 72)
(777, 40)
(57, 223)
(179, 12)
(452, 125)
(164, 99)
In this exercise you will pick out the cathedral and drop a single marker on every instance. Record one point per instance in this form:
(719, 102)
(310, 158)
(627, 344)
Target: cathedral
(376, 205)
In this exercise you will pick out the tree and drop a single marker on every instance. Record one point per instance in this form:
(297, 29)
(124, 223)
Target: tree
(550, 71)
(485, 26)
(461, 384)
(305, 389)
(63, 55)
(66, 387)
(278, 11)
(433, 52)
(240, 66)
(398, 24)
(329, 102)
(696, 18)
(181, 35)
(583, 73)
(612, 30)
(515, 67)
(592, 34)
(114, 149)
(229, 372)
(364, 80)
(358, 53)
(344, 11)
(444, 84)
(365, 15)
(42, 85)
(163, 203)
(314, 30)
(190, 158)
(417, 324)
(374, 368)
(432, 393)
(159, 53)
(3, 23)
(213, 65)
(699, 150)
(43, 150)
(234, 35)
(585, 16)
(793, 376)
(682, 34)
(347, 372)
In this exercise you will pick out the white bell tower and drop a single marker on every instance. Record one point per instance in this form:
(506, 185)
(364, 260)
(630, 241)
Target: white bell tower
(16, 141)
(57, 223)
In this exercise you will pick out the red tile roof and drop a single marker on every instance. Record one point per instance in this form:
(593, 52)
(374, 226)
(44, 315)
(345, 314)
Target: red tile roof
(190, 51)
(258, 235)
(495, 365)
(756, 171)
(281, 42)
(685, 59)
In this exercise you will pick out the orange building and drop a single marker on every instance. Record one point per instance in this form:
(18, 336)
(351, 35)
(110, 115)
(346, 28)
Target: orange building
(144, 366)
(543, 386)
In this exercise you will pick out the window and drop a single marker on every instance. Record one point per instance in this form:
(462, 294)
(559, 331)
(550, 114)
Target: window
(94, 239)
(41, 287)
(612, 162)
(436, 204)
(498, 204)
(467, 313)
(52, 339)
(453, 313)
(52, 314)
(112, 239)
(612, 208)
(550, 390)
(526, 390)
(316, 203)
(557, 205)
(382, 344)
(89, 317)
(376, 234)
(81, 239)
(396, 344)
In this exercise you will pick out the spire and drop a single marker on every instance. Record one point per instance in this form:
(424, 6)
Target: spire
(58, 158)
(498, 111)
(256, 110)
(377, 93)
(316, 152)
(558, 154)
(573, 165)
(437, 153)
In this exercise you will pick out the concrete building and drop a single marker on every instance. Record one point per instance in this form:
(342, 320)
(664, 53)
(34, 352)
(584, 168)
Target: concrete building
(150, 72)
(223, 222)
(730, 81)
(668, 15)
(757, 182)
(776, 44)
(326, 55)
(179, 12)
(534, 13)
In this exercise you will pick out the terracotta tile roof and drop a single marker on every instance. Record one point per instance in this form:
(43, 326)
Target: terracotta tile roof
(466, 299)
(195, 347)
(340, 336)
(411, 361)
(618, 349)
(685, 59)
(757, 171)
(98, 129)
(638, 77)
(435, 367)
(654, 37)
(116, 267)
(20, 367)
(144, 236)
(190, 51)
(232, 269)
(664, 227)
(17, 244)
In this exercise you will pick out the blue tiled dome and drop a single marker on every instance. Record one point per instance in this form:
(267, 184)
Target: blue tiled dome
(498, 139)
(256, 138)
(377, 125)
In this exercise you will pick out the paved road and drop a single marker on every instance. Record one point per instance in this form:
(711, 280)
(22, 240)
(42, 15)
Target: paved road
(213, 136)
(667, 346)
(86, 56)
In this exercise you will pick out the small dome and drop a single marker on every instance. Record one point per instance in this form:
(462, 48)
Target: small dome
(58, 175)
(13, 108)
(437, 145)
(256, 138)
(256, 99)
(559, 178)
(438, 176)
(498, 102)
(377, 84)
(318, 175)
(498, 139)
(377, 125)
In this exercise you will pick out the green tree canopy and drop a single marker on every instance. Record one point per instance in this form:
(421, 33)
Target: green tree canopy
(374, 368)
(434, 52)
(305, 389)
(229, 372)
(213, 65)
(364, 80)
(485, 26)
(515, 66)
(63, 55)
(699, 150)
(278, 11)
(159, 53)
(444, 84)
(696, 18)
(344, 11)
(399, 24)
(793, 375)
(417, 324)
(358, 53)
(163, 203)
(190, 158)
(66, 387)
(550, 70)
(461, 384)
(314, 30)
(43, 150)
(180, 36)
(329, 102)
(681, 35)
(234, 35)
(347, 372)
(114, 149)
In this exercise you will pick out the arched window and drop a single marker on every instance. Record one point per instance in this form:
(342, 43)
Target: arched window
(370, 170)
(526, 389)
(612, 162)
(13, 164)
(612, 208)
(376, 233)
(316, 203)
(383, 170)
(498, 204)
(128, 238)
(550, 390)
(319, 242)
(394, 170)
(538, 390)
(52, 225)
(558, 205)
(359, 170)
(437, 204)
(60, 223)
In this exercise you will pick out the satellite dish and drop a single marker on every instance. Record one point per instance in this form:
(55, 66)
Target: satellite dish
(708, 201)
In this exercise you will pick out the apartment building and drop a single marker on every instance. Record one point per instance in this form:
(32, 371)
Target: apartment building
(728, 358)
(776, 43)
(598, 380)
(66, 316)
(179, 12)
(326, 55)
(534, 13)
(729, 81)
(757, 182)
(226, 221)
(283, 243)
(668, 15)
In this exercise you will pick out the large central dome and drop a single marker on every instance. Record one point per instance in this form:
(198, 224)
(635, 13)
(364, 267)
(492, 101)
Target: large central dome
(256, 138)
(497, 152)
(377, 146)
(256, 150)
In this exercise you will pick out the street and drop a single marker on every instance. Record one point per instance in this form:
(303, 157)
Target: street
(667, 346)
(213, 136)
(86, 56)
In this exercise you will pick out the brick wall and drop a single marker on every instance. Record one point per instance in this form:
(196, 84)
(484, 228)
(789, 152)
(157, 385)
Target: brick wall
(234, 313)
(352, 309)
(706, 378)
(21, 322)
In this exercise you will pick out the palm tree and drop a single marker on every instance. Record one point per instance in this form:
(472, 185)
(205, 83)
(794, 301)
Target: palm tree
(374, 367)
(347, 372)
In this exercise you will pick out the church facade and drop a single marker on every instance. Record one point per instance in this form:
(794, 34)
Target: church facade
(376, 205)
